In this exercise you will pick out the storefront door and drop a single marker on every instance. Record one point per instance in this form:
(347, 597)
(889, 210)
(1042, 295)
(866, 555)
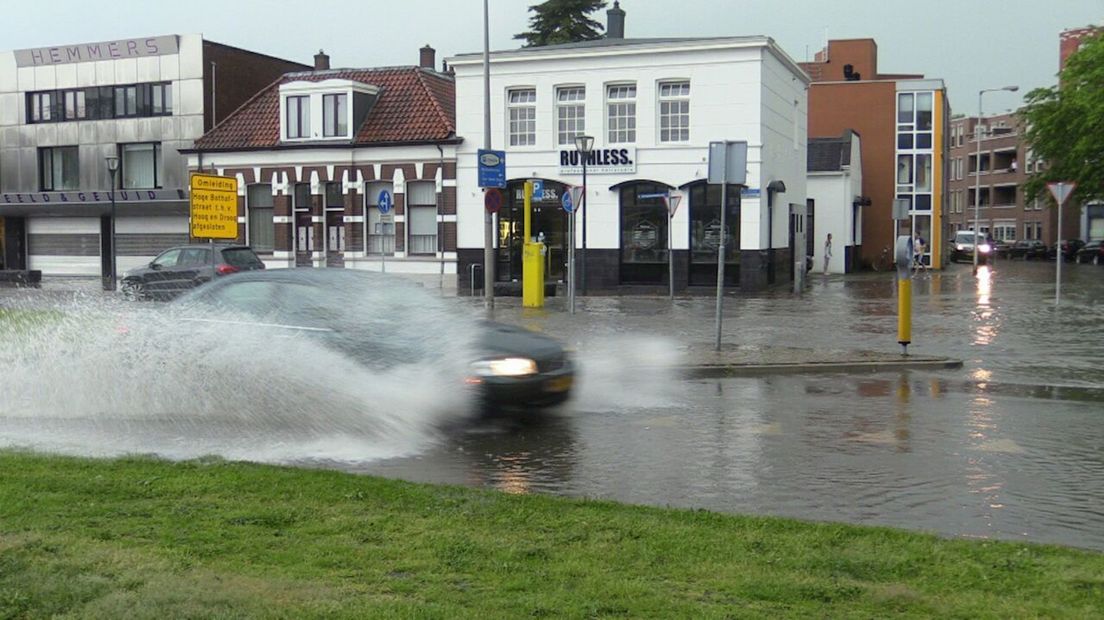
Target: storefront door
(548, 224)
(705, 234)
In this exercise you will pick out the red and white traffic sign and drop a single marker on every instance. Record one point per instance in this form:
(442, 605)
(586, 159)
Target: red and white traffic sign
(672, 199)
(576, 193)
(1061, 190)
(492, 200)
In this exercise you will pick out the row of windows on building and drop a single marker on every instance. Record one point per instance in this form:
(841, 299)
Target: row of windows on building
(1004, 196)
(421, 218)
(335, 117)
(959, 136)
(100, 102)
(673, 105)
(140, 165)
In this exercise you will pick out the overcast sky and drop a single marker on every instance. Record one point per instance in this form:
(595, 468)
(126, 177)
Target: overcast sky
(971, 44)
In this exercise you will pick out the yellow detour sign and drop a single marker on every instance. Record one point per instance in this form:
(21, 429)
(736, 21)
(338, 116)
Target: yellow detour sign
(214, 207)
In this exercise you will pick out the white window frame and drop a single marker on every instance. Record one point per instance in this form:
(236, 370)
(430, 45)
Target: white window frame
(424, 238)
(570, 113)
(680, 97)
(335, 122)
(521, 131)
(621, 127)
(316, 93)
(302, 126)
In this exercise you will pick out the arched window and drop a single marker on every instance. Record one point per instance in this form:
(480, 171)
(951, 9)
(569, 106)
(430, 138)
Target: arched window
(643, 233)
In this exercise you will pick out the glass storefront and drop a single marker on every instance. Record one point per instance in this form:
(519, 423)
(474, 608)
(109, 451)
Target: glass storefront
(549, 224)
(643, 234)
(705, 229)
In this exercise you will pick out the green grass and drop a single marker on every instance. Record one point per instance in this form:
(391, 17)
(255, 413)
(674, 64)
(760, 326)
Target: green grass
(142, 538)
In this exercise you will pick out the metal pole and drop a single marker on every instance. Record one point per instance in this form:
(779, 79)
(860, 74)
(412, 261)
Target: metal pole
(113, 252)
(977, 183)
(488, 221)
(571, 260)
(721, 249)
(670, 253)
(584, 204)
(1058, 259)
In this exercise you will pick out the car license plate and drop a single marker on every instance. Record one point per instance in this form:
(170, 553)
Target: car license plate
(559, 384)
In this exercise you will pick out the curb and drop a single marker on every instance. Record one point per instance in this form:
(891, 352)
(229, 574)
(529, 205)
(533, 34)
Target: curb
(713, 371)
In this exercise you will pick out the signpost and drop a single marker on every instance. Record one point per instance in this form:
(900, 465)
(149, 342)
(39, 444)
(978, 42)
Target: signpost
(569, 205)
(492, 200)
(672, 201)
(213, 206)
(492, 176)
(727, 165)
(385, 203)
(1061, 191)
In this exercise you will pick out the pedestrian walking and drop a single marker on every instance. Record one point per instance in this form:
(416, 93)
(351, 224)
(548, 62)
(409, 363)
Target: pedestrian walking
(918, 248)
(827, 252)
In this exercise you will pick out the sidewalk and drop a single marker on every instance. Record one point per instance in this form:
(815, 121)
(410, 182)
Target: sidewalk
(702, 361)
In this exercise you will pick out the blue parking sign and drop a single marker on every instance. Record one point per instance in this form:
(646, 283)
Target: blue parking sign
(492, 168)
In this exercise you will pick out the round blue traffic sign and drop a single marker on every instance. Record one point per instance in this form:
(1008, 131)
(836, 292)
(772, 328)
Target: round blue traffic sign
(386, 203)
(566, 202)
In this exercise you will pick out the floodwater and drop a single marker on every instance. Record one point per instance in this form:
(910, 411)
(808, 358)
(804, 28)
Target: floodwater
(1011, 446)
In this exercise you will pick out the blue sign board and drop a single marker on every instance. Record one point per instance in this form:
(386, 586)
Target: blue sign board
(386, 203)
(750, 192)
(492, 168)
(538, 188)
(566, 202)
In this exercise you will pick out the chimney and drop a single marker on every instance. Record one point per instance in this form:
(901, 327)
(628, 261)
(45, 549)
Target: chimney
(615, 22)
(427, 57)
(321, 61)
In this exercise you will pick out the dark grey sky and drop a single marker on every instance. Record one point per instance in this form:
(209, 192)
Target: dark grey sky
(971, 44)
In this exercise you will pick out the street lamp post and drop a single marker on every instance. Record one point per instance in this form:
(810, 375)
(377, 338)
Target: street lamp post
(113, 168)
(977, 168)
(584, 144)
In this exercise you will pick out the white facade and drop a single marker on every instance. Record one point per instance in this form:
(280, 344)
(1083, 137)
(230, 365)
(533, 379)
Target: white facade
(744, 89)
(834, 195)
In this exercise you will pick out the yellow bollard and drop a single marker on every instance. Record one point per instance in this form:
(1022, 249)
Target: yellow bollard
(532, 259)
(904, 292)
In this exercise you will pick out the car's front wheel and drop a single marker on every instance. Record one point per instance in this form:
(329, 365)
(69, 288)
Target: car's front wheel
(133, 290)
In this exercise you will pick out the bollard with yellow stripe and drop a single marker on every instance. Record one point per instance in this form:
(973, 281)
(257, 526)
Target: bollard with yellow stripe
(904, 292)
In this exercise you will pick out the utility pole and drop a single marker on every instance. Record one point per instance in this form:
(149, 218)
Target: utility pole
(488, 224)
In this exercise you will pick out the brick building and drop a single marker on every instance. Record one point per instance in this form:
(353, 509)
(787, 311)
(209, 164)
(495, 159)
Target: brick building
(314, 151)
(903, 123)
(65, 110)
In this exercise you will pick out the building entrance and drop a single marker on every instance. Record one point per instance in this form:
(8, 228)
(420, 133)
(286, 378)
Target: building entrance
(549, 224)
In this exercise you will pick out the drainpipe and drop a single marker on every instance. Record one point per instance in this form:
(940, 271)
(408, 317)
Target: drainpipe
(440, 201)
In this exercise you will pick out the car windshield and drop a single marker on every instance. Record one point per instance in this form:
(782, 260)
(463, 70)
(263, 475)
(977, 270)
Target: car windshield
(964, 237)
(240, 257)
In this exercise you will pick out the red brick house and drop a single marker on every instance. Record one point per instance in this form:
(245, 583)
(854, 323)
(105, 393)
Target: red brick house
(315, 151)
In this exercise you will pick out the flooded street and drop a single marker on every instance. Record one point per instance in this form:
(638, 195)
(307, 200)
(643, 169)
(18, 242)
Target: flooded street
(1010, 446)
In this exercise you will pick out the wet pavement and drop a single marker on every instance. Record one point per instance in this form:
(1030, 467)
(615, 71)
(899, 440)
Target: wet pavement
(1010, 445)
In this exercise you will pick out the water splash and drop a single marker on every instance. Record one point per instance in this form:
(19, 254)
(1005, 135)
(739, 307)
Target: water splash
(102, 378)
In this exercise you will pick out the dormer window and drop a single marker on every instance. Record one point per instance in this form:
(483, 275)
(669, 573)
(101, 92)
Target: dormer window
(335, 115)
(326, 110)
(298, 117)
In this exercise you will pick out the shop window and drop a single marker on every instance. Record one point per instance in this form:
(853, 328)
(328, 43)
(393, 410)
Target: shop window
(705, 233)
(421, 197)
(262, 230)
(643, 234)
(621, 113)
(570, 114)
(674, 111)
(58, 168)
(523, 117)
(141, 166)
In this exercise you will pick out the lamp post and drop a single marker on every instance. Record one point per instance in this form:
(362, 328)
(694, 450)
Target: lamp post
(977, 169)
(584, 145)
(113, 168)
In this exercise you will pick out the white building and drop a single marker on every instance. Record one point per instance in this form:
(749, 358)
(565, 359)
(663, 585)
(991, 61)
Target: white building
(652, 106)
(65, 109)
(835, 193)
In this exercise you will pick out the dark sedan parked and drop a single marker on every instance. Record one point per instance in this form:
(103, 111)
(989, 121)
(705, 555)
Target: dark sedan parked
(1070, 247)
(381, 321)
(1028, 250)
(180, 269)
(1091, 252)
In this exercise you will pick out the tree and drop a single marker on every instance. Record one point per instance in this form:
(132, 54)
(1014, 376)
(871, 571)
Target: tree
(1065, 125)
(562, 21)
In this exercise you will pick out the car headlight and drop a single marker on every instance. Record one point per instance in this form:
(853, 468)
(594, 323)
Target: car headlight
(505, 367)
(960, 248)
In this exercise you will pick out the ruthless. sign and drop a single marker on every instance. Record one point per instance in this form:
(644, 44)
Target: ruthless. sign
(599, 161)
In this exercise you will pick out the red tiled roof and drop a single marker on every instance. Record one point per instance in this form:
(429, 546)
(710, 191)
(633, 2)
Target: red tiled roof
(414, 105)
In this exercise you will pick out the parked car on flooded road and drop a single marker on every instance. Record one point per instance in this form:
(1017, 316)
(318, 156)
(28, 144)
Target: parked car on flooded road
(1028, 249)
(379, 321)
(1091, 252)
(178, 270)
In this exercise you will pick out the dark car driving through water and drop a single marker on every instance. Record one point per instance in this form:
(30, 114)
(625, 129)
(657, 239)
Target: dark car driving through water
(380, 321)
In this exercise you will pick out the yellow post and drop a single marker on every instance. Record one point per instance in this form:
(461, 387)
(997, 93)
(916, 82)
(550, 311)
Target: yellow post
(904, 292)
(532, 259)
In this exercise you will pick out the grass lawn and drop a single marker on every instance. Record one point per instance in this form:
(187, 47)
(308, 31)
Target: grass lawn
(142, 538)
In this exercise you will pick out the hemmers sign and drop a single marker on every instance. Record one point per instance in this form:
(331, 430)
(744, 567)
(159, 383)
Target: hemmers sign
(600, 161)
(107, 50)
